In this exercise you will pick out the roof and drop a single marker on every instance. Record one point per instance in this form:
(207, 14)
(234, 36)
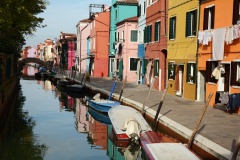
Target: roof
(126, 2)
(85, 20)
(131, 19)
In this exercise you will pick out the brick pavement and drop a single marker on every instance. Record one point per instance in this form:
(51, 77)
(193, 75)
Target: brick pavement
(217, 133)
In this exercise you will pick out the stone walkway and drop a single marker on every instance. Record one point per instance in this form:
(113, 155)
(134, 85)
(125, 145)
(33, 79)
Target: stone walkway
(218, 131)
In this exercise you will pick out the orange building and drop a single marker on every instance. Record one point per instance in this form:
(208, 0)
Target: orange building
(99, 37)
(218, 50)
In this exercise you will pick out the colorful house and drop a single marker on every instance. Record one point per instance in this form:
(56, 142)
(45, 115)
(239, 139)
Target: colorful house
(182, 48)
(218, 49)
(120, 10)
(83, 31)
(126, 52)
(67, 57)
(141, 46)
(155, 38)
(99, 38)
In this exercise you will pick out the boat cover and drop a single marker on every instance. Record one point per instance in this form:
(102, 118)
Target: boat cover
(171, 151)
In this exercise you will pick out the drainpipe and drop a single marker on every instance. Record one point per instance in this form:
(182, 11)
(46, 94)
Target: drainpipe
(165, 16)
(197, 45)
(80, 68)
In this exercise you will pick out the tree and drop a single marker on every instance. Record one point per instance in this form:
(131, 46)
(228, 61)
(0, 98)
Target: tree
(18, 18)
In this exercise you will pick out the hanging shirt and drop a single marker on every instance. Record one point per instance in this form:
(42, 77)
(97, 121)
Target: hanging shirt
(200, 37)
(229, 35)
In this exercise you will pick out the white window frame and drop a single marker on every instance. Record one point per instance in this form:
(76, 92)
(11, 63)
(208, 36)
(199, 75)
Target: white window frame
(131, 36)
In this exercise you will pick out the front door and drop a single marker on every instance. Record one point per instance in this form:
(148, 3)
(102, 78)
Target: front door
(179, 80)
(139, 71)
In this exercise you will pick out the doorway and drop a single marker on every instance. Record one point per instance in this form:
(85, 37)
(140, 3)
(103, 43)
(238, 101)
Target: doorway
(179, 80)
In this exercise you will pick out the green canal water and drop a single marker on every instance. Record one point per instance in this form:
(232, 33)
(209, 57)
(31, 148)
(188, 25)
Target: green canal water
(48, 124)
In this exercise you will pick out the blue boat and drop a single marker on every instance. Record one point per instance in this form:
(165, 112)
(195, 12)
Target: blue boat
(98, 116)
(101, 105)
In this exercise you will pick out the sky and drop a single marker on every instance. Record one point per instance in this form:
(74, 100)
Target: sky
(62, 15)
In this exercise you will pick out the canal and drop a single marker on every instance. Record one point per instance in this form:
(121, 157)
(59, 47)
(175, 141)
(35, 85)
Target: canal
(49, 124)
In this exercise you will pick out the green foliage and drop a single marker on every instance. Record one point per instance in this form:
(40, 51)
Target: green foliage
(18, 18)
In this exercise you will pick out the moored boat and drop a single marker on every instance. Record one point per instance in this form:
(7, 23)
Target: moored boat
(100, 117)
(101, 105)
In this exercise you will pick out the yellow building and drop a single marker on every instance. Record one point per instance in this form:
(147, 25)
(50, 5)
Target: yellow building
(182, 47)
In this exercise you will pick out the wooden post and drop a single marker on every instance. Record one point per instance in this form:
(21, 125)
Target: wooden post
(236, 149)
(122, 88)
(82, 77)
(149, 91)
(199, 121)
(159, 108)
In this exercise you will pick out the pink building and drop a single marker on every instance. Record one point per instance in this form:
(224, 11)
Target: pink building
(126, 46)
(83, 32)
(99, 38)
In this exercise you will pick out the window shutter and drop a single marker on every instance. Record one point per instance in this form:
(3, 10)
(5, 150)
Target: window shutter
(156, 67)
(145, 35)
(188, 24)
(156, 31)
(233, 73)
(194, 23)
(212, 16)
(208, 71)
(194, 72)
(145, 66)
(235, 11)
(159, 31)
(174, 71)
(205, 20)
(150, 36)
(171, 28)
(188, 72)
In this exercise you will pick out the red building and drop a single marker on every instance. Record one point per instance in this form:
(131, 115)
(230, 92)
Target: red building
(155, 38)
(99, 39)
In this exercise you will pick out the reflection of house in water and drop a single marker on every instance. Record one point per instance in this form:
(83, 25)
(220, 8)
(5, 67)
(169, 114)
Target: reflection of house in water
(122, 150)
(97, 134)
(81, 117)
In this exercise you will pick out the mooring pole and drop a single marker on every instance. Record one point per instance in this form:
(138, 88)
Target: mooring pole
(159, 108)
(199, 121)
(122, 88)
(236, 149)
(149, 91)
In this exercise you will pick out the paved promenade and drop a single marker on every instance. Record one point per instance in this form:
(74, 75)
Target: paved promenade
(217, 133)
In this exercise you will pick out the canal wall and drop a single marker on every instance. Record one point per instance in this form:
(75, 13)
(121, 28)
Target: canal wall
(132, 96)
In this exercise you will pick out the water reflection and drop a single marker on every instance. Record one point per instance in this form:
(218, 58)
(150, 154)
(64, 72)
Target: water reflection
(18, 132)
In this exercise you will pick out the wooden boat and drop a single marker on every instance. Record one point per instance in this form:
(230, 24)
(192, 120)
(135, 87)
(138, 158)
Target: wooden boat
(155, 144)
(76, 88)
(101, 105)
(63, 82)
(100, 117)
(120, 117)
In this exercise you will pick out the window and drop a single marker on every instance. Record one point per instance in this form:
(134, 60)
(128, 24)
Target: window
(156, 67)
(144, 7)
(133, 64)
(191, 72)
(139, 10)
(157, 31)
(112, 65)
(208, 21)
(148, 34)
(172, 28)
(115, 34)
(210, 66)
(171, 70)
(236, 12)
(191, 23)
(134, 36)
(235, 73)
(117, 38)
(116, 14)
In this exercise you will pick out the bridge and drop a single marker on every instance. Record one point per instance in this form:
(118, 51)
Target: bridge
(23, 61)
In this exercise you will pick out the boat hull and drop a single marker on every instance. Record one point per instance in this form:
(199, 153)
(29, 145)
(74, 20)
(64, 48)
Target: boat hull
(100, 117)
(102, 105)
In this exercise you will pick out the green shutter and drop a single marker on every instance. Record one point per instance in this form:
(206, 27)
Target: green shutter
(171, 36)
(145, 66)
(194, 23)
(156, 67)
(150, 36)
(145, 35)
(156, 27)
(188, 72)
(188, 24)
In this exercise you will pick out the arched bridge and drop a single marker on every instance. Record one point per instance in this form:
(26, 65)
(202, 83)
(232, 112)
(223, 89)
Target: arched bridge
(31, 60)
